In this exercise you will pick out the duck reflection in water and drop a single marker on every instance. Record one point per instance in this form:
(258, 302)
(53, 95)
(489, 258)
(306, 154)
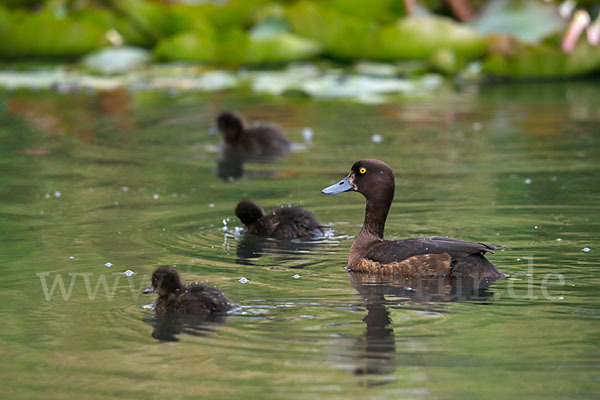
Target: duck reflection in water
(283, 251)
(191, 308)
(426, 294)
(260, 142)
(167, 327)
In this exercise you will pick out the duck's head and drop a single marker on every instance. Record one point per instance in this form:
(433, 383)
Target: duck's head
(231, 125)
(248, 212)
(373, 178)
(165, 280)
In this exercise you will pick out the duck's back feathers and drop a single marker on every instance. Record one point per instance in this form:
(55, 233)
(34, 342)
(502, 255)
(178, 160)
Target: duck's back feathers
(195, 299)
(429, 256)
(264, 139)
(281, 223)
(387, 251)
(293, 222)
(200, 298)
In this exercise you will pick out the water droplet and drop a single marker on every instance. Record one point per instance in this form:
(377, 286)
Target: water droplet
(243, 280)
(518, 259)
(124, 188)
(477, 126)
(296, 276)
(129, 272)
(71, 257)
(307, 134)
(528, 181)
(155, 196)
(377, 138)
(554, 179)
(586, 249)
(47, 195)
(558, 239)
(536, 227)
(211, 205)
(108, 264)
(561, 298)
(57, 194)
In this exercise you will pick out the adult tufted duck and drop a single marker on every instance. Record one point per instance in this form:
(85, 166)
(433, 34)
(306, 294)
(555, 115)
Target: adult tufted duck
(284, 222)
(260, 139)
(193, 298)
(428, 256)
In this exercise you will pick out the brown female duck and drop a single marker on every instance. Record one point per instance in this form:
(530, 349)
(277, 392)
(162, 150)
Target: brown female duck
(193, 298)
(260, 139)
(281, 223)
(429, 256)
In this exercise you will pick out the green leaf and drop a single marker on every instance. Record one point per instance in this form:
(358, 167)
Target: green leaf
(45, 35)
(546, 60)
(282, 48)
(420, 37)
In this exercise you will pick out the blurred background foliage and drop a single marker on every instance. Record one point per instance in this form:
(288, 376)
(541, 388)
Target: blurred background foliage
(512, 38)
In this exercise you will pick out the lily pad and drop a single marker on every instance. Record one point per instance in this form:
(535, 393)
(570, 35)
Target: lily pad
(113, 60)
(43, 34)
(188, 46)
(344, 37)
(284, 47)
(421, 37)
(546, 60)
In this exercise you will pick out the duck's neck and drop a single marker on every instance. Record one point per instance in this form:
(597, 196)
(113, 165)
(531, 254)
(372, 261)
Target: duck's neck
(376, 213)
(372, 230)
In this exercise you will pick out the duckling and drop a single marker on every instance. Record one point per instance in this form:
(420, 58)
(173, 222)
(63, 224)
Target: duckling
(427, 256)
(193, 298)
(281, 223)
(260, 139)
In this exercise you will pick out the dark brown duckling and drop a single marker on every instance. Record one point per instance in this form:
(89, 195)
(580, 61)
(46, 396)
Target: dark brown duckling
(260, 139)
(281, 223)
(193, 298)
(428, 256)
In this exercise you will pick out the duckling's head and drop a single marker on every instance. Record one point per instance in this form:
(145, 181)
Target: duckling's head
(373, 178)
(165, 280)
(231, 125)
(248, 212)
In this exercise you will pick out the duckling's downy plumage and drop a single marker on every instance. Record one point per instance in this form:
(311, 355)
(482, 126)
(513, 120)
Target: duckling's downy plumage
(429, 256)
(260, 139)
(282, 222)
(193, 298)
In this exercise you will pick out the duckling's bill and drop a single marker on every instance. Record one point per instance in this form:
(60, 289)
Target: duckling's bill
(342, 186)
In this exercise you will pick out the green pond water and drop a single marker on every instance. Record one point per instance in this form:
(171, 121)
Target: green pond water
(131, 179)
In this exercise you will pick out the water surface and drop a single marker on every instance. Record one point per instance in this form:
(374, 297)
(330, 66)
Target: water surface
(130, 179)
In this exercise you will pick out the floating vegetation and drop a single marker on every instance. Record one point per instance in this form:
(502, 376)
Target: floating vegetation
(307, 79)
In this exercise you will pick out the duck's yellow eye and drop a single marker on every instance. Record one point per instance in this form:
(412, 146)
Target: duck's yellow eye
(362, 170)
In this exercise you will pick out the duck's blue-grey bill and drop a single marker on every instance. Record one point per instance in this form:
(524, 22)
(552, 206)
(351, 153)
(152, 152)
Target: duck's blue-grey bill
(149, 289)
(341, 186)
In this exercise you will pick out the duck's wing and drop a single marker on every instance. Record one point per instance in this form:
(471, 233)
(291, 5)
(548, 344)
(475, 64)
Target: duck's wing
(295, 222)
(389, 251)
